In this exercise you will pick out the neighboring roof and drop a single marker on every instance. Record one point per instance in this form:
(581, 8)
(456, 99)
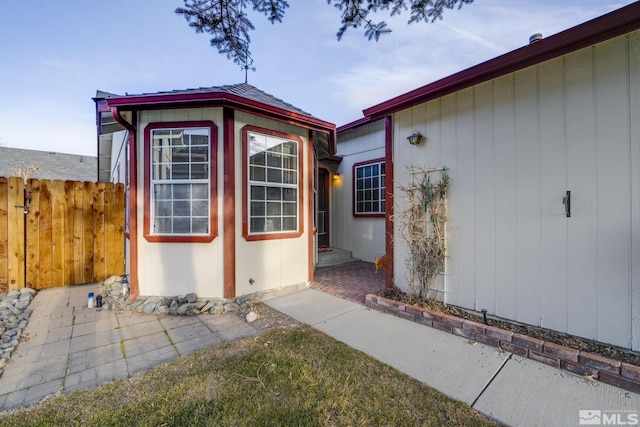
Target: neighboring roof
(51, 165)
(603, 28)
(241, 96)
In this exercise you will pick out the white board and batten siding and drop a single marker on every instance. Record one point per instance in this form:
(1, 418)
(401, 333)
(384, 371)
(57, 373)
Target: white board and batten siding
(364, 237)
(514, 146)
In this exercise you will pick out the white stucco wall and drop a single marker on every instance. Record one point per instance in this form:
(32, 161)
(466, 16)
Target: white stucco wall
(167, 268)
(514, 146)
(272, 264)
(364, 237)
(178, 268)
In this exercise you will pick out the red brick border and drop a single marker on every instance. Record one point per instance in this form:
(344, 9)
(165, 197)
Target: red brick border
(607, 370)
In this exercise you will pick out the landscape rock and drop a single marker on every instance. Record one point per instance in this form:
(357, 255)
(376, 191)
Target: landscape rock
(14, 316)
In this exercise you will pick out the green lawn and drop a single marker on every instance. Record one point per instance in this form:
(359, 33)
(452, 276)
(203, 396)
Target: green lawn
(286, 377)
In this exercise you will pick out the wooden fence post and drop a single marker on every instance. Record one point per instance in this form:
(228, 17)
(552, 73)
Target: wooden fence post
(16, 233)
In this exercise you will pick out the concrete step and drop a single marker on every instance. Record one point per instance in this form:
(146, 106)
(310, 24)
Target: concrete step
(332, 257)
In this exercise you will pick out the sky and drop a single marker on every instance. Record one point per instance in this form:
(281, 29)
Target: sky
(55, 54)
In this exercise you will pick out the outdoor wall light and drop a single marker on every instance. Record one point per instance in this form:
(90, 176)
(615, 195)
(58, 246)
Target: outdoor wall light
(415, 138)
(336, 176)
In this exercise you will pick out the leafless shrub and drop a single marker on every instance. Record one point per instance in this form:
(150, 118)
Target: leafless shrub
(26, 172)
(422, 225)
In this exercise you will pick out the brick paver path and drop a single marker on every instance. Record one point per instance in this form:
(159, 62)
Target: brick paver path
(351, 281)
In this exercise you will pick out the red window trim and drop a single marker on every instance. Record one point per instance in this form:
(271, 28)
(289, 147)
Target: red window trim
(353, 189)
(245, 185)
(213, 171)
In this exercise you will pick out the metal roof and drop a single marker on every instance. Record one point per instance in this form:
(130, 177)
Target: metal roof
(243, 90)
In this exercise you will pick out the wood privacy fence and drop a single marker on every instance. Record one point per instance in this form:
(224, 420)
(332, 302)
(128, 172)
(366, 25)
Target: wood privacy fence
(57, 233)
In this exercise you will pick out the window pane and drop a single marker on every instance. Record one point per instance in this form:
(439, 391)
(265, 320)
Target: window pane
(162, 225)
(163, 208)
(161, 171)
(289, 194)
(274, 160)
(289, 208)
(290, 147)
(274, 175)
(273, 224)
(200, 225)
(257, 173)
(200, 154)
(258, 193)
(274, 208)
(199, 171)
(257, 225)
(182, 208)
(162, 191)
(181, 226)
(182, 191)
(200, 208)
(258, 209)
(290, 177)
(180, 154)
(289, 224)
(274, 193)
(200, 191)
(180, 171)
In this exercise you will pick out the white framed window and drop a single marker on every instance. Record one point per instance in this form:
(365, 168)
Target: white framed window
(272, 170)
(180, 187)
(369, 188)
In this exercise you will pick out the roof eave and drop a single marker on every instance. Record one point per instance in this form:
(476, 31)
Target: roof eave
(603, 28)
(199, 99)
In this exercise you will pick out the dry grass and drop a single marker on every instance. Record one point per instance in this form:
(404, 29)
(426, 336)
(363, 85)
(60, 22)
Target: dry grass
(292, 376)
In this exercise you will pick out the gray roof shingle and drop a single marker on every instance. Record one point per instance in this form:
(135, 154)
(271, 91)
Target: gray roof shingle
(52, 165)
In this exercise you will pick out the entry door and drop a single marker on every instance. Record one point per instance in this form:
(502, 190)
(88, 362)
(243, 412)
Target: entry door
(323, 208)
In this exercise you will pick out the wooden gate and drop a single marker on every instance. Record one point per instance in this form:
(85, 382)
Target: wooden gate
(58, 233)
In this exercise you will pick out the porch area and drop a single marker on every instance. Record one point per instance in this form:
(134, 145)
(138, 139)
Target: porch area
(351, 280)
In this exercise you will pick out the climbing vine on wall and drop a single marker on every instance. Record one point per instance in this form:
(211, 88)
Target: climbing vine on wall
(423, 225)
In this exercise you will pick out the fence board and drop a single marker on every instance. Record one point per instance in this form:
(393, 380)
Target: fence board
(118, 221)
(99, 266)
(16, 233)
(110, 222)
(45, 235)
(33, 229)
(58, 238)
(4, 222)
(68, 232)
(78, 230)
(87, 234)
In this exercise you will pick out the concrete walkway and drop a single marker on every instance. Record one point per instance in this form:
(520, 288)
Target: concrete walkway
(67, 346)
(505, 387)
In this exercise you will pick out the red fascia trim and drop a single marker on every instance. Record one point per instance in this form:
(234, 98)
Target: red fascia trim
(597, 30)
(213, 172)
(229, 202)
(389, 202)
(310, 209)
(134, 287)
(353, 124)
